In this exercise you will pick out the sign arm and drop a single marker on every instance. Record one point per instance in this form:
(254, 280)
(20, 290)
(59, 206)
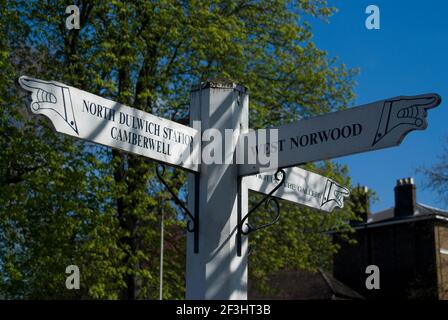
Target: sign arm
(369, 127)
(86, 116)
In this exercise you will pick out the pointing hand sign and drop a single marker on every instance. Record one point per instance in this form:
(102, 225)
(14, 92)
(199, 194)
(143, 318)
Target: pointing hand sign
(51, 99)
(405, 111)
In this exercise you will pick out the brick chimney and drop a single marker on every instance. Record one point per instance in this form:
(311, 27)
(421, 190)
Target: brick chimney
(405, 197)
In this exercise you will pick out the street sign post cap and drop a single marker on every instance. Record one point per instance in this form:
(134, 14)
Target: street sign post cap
(221, 84)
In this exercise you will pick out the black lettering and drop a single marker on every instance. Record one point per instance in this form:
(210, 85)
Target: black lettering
(179, 136)
(295, 141)
(168, 149)
(313, 138)
(99, 111)
(92, 110)
(323, 136)
(338, 133)
(85, 106)
(281, 144)
(151, 144)
(157, 130)
(150, 127)
(159, 144)
(122, 118)
(167, 133)
(140, 123)
(307, 140)
(111, 115)
(140, 141)
(357, 129)
(346, 131)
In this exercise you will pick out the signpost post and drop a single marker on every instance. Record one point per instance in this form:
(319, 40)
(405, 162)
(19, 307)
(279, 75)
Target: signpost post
(218, 192)
(216, 271)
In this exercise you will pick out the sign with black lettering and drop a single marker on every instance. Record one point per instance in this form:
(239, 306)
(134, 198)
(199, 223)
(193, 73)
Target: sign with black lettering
(301, 186)
(87, 116)
(369, 127)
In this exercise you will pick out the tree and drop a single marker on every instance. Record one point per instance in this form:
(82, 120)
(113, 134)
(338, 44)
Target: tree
(437, 176)
(74, 203)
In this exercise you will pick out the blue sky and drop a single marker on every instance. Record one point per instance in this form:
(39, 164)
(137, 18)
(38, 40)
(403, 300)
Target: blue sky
(407, 56)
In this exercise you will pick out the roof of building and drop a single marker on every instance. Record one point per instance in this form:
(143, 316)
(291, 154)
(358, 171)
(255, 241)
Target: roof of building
(305, 285)
(421, 212)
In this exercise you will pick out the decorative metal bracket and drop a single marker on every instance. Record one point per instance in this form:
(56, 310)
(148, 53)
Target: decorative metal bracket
(266, 200)
(193, 219)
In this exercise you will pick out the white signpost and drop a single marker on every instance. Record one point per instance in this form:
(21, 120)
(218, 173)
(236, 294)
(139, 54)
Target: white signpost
(369, 127)
(87, 116)
(218, 193)
(301, 186)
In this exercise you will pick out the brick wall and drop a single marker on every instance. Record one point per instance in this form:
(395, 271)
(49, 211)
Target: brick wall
(441, 250)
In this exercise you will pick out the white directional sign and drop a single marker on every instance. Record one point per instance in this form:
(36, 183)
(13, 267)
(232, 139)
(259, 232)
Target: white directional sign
(87, 116)
(301, 186)
(369, 127)
(217, 204)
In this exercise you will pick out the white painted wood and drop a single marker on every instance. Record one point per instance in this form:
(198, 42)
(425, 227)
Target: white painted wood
(90, 117)
(369, 127)
(303, 187)
(216, 272)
